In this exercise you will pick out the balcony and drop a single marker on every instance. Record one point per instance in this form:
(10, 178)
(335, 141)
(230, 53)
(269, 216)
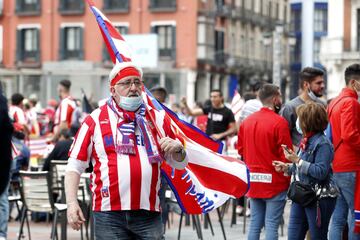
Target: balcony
(28, 58)
(223, 11)
(238, 13)
(116, 6)
(71, 7)
(28, 9)
(162, 5)
(73, 55)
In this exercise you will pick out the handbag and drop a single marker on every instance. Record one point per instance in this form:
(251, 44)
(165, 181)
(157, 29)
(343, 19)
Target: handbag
(301, 193)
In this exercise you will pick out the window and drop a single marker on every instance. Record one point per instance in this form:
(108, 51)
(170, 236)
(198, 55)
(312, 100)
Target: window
(316, 50)
(26, 7)
(116, 5)
(205, 39)
(28, 40)
(296, 51)
(295, 22)
(219, 47)
(320, 20)
(123, 30)
(162, 5)
(71, 7)
(71, 43)
(166, 40)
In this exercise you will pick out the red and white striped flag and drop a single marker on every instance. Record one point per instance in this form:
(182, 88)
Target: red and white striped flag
(38, 147)
(236, 105)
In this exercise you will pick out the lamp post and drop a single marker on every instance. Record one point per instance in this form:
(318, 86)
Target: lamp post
(277, 51)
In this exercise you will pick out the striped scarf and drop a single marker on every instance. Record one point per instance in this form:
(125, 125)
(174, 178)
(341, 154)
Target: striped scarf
(127, 130)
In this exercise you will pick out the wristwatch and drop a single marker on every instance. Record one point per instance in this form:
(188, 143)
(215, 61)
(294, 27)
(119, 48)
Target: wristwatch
(183, 153)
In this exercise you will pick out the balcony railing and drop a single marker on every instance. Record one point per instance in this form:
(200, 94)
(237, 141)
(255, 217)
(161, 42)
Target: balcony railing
(224, 11)
(116, 6)
(28, 58)
(162, 5)
(71, 7)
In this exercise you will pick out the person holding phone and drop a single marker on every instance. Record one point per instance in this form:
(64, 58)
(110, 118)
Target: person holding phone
(259, 143)
(312, 164)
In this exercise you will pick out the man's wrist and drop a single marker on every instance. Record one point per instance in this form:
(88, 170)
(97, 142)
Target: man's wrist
(183, 154)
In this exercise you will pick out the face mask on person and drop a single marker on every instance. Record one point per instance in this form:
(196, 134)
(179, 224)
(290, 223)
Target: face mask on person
(298, 128)
(129, 103)
(312, 95)
(277, 108)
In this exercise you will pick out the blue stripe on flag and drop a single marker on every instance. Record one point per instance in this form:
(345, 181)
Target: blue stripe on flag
(357, 215)
(102, 25)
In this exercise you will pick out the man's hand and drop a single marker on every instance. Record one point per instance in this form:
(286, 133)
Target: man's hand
(216, 136)
(280, 166)
(172, 147)
(75, 216)
(183, 101)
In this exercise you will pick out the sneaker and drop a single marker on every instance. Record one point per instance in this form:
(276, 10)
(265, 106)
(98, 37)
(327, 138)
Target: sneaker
(248, 212)
(239, 209)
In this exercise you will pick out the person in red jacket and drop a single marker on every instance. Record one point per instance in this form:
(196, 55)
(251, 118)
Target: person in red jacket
(259, 143)
(344, 117)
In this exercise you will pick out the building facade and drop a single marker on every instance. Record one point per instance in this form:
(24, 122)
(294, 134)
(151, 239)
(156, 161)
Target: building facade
(342, 45)
(201, 45)
(318, 26)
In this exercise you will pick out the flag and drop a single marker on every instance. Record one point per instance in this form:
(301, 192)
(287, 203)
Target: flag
(86, 106)
(236, 105)
(38, 146)
(118, 50)
(210, 178)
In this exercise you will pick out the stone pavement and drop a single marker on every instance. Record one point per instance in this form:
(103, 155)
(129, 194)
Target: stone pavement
(40, 231)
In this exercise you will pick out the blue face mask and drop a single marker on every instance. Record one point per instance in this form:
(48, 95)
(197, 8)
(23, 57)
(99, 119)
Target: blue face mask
(130, 103)
(298, 128)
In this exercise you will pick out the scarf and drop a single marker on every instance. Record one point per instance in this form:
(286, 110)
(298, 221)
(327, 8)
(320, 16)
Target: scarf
(127, 130)
(304, 141)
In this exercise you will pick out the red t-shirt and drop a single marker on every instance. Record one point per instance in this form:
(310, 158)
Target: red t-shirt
(259, 143)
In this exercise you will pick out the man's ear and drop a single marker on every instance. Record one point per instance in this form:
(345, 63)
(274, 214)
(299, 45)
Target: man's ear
(112, 90)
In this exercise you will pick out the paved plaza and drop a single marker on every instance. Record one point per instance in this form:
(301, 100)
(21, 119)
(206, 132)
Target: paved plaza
(40, 231)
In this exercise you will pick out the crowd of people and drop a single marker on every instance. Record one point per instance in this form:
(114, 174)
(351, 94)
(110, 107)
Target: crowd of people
(307, 142)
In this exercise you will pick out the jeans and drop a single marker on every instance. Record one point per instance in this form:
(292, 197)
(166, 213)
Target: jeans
(344, 208)
(266, 212)
(304, 218)
(4, 213)
(138, 224)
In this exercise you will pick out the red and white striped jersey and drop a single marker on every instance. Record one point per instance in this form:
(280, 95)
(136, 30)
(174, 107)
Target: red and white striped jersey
(17, 115)
(119, 181)
(64, 111)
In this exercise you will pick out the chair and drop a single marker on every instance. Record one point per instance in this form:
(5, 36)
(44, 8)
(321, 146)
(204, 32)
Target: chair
(58, 171)
(36, 195)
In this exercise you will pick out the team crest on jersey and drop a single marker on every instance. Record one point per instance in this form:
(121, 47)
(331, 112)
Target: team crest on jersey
(108, 141)
(105, 192)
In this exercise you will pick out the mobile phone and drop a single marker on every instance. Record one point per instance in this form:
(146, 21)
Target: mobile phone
(286, 149)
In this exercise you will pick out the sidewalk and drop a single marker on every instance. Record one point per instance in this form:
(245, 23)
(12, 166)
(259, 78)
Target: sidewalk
(40, 231)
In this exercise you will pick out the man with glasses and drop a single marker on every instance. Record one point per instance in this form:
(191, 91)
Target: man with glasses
(344, 118)
(121, 141)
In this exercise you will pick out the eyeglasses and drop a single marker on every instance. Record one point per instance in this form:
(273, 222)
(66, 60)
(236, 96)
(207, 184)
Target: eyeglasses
(129, 83)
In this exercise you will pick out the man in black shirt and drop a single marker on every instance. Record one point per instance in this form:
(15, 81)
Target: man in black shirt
(221, 121)
(61, 149)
